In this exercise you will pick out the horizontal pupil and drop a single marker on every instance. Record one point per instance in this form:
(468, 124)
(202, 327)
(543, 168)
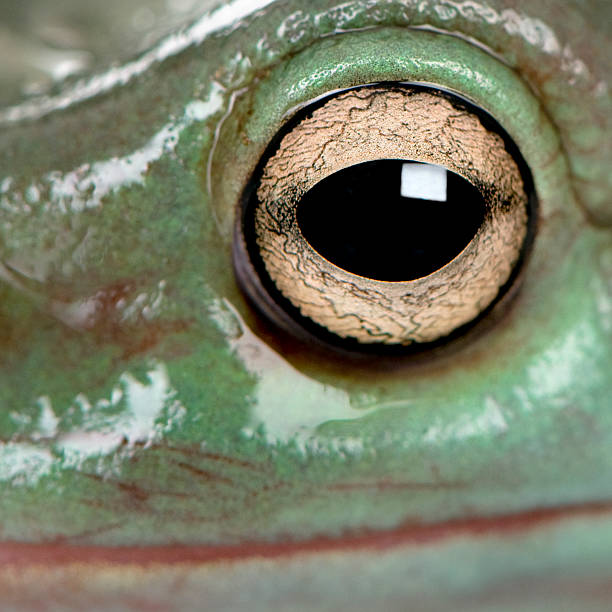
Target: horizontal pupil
(391, 220)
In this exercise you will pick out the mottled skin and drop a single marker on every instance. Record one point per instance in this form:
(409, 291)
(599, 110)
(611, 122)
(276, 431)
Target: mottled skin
(143, 401)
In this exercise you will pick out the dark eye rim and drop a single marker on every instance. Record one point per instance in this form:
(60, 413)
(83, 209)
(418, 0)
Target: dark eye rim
(265, 297)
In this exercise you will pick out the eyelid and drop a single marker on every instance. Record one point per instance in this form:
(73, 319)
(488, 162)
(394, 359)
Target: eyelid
(546, 57)
(413, 56)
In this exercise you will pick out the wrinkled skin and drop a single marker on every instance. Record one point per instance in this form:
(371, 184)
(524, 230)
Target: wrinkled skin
(161, 443)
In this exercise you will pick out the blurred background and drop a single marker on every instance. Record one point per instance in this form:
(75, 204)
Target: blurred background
(43, 42)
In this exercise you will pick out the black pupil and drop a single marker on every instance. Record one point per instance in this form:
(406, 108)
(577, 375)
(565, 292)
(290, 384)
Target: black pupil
(391, 220)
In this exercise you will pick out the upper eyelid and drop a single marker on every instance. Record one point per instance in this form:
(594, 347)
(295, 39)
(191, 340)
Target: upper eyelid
(527, 43)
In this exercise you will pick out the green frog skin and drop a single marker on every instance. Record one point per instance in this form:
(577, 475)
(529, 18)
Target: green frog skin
(163, 446)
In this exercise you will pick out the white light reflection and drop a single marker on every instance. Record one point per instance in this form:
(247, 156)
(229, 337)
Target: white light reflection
(137, 414)
(23, 463)
(289, 405)
(554, 371)
(86, 186)
(490, 421)
(424, 182)
(138, 422)
(218, 19)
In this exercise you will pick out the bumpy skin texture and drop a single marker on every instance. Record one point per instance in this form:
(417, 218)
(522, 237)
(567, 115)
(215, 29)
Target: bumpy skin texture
(144, 402)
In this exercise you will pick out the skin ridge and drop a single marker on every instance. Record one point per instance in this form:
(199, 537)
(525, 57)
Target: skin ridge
(408, 534)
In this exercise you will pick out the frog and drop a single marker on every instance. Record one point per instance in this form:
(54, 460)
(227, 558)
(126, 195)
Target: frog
(163, 445)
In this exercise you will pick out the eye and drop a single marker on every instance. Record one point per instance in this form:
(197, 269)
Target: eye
(386, 215)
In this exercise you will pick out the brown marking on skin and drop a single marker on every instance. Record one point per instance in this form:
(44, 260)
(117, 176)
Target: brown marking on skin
(68, 540)
(196, 452)
(411, 533)
(230, 460)
(93, 503)
(134, 492)
(204, 474)
(106, 321)
(150, 336)
(273, 487)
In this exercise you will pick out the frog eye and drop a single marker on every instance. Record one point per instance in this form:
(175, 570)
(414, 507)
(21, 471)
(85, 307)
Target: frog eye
(389, 214)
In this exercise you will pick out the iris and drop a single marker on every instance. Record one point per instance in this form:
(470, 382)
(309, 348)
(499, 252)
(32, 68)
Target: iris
(388, 214)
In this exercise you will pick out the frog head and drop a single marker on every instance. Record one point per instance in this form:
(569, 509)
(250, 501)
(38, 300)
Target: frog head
(157, 426)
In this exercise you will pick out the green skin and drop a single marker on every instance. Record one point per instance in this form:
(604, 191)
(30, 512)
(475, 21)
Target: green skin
(145, 402)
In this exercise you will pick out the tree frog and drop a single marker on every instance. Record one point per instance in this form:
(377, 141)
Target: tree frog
(165, 445)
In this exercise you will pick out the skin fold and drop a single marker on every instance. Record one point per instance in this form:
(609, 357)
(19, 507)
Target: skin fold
(155, 429)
